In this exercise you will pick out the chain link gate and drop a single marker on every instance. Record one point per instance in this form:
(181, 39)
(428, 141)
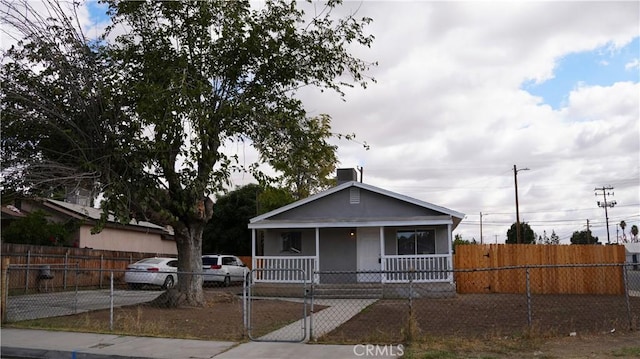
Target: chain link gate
(262, 287)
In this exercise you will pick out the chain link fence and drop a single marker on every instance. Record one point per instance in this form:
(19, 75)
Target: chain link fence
(509, 301)
(266, 299)
(344, 307)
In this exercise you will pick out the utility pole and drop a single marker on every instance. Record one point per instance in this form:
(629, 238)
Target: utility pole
(605, 205)
(515, 179)
(481, 228)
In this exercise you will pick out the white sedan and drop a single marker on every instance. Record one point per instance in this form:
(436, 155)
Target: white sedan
(157, 271)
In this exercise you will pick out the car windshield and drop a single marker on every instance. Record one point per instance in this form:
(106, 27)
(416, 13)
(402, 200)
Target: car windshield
(209, 261)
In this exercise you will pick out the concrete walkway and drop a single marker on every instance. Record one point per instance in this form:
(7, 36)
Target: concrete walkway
(318, 324)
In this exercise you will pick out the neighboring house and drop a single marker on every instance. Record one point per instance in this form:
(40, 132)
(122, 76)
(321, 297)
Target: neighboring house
(633, 254)
(136, 236)
(9, 214)
(369, 234)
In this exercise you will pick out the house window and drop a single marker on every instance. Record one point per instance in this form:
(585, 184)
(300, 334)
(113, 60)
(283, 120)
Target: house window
(416, 241)
(292, 242)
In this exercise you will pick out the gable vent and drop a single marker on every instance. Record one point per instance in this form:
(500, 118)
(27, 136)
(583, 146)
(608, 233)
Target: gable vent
(354, 195)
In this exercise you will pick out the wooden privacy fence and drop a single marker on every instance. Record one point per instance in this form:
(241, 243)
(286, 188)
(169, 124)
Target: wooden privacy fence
(552, 269)
(69, 267)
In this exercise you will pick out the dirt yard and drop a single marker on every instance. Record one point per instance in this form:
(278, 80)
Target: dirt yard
(467, 326)
(490, 315)
(220, 319)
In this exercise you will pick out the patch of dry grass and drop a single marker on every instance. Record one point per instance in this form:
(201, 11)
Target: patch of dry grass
(221, 318)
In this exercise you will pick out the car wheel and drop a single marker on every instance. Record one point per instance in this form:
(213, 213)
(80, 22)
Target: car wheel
(227, 281)
(168, 282)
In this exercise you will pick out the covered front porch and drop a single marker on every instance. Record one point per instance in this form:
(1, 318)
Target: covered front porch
(353, 253)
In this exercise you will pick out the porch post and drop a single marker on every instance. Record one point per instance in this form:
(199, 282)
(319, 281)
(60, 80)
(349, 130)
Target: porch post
(317, 260)
(450, 258)
(383, 277)
(253, 248)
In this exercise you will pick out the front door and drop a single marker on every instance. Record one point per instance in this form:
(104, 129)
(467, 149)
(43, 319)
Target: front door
(368, 254)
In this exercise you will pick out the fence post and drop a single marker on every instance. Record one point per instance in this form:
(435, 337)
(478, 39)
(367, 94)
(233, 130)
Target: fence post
(4, 288)
(311, 309)
(625, 277)
(411, 277)
(100, 272)
(64, 276)
(528, 297)
(26, 276)
(75, 304)
(110, 303)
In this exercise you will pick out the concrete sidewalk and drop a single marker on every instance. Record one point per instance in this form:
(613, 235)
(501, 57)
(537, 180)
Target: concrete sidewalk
(41, 344)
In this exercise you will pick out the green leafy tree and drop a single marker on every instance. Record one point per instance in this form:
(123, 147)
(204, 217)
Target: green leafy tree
(270, 198)
(35, 228)
(58, 131)
(583, 237)
(528, 235)
(553, 239)
(173, 83)
(306, 166)
(457, 240)
(227, 231)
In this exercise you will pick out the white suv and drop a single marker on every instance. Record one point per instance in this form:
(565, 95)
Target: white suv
(223, 269)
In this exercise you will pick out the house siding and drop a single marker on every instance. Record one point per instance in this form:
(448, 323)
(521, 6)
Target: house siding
(113, 239)
(371, 205)
(368, 211)
(273, 242)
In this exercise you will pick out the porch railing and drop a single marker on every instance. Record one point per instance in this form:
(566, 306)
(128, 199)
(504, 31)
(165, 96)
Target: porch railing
(285, 269)
(420, 268)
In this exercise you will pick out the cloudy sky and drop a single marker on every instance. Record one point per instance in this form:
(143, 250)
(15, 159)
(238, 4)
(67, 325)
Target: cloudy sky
(467, 90)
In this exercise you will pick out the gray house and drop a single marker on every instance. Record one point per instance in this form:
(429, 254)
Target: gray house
(365, 233)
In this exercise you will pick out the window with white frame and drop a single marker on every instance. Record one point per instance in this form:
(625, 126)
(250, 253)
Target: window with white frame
(416, 241)
(292, 242)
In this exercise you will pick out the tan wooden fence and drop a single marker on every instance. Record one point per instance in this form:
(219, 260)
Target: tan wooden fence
(69, 266)
(552, 269)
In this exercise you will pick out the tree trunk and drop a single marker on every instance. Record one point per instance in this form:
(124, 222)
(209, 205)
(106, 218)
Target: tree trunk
(189, 243)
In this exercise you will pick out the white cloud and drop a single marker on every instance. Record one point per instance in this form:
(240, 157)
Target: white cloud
(447, 119)
(635, 64)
